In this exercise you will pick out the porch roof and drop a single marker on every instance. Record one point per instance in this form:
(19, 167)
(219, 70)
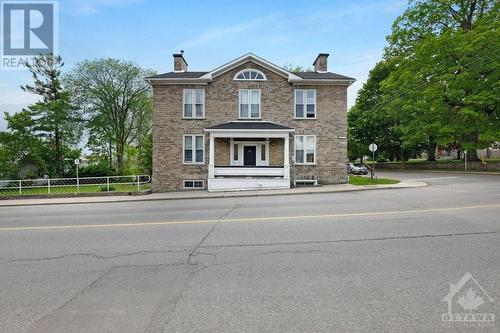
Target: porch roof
(250, 125)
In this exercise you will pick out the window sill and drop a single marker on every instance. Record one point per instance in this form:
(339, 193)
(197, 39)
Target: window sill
(193, 118)
(195, 163)
(305, 164)
(259, 118)
(304, 118)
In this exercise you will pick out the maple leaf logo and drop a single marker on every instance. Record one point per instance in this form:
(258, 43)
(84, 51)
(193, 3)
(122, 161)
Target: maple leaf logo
(470, 301)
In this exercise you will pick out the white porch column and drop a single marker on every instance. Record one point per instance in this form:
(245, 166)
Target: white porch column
(286, 157)
(211, 154)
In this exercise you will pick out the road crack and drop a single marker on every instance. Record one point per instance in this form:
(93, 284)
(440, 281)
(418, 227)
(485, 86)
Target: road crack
(194, 252)
(95, 256)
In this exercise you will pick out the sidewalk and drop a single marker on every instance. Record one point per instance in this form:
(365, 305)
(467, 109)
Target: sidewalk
(203, 194)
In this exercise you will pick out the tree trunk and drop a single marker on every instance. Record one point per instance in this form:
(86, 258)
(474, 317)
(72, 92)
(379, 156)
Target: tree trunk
(59, 164)
(110, 154)
(402, 157)
(431, 150)
(119, 157)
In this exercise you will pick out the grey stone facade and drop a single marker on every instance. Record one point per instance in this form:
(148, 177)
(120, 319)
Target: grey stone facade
(222, 105)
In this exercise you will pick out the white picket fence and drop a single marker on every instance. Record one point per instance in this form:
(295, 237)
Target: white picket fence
(43, 186)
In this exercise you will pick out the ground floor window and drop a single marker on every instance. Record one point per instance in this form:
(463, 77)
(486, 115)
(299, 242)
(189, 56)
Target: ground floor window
(194, 149)
(305, 149)
(194, 184)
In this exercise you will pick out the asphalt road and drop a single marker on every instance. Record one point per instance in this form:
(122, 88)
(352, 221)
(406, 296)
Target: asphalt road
(370, 261)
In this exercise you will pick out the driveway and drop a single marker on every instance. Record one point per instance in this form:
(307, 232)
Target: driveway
(379, 261)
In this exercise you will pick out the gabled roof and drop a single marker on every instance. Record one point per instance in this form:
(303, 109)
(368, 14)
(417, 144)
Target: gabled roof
(295, 78)
(323, 76)
(250, 125)
(256, 60)
(178, 75)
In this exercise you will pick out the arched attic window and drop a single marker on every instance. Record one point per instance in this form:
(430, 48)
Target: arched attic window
(250, 75)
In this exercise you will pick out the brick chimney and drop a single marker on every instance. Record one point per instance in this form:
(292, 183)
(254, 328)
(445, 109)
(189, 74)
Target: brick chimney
(321, 63)
(180, 64)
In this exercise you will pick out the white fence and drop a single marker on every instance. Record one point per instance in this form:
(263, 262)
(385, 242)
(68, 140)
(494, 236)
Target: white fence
(46, 186)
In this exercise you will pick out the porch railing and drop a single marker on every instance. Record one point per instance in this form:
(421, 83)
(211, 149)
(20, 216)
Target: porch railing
(48, 186)
(250, 171)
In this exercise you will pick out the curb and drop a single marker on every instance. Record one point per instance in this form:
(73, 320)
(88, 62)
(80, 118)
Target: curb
(487, 173)
(240, 194)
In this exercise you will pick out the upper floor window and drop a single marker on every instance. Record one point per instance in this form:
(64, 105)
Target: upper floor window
(249, 103)
(305, 103)
(194, 103)
(250, 75)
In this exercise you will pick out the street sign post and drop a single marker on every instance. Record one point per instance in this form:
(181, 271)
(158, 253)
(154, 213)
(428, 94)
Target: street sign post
(373, 148)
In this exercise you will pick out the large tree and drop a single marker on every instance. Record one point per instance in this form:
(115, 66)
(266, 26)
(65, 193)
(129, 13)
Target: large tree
(116, 102)
(53, 116)
(371, 121)
(20, 146)
(428, 18)
(446, 71)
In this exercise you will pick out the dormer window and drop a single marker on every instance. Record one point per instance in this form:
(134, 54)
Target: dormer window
(250, 75)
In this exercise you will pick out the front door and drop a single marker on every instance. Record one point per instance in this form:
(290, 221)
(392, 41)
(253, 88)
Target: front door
(249, 155)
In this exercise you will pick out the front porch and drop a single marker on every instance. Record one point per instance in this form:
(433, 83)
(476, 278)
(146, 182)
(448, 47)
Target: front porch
(248, 155)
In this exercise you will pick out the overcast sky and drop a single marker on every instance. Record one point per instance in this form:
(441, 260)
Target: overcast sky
(214, 32)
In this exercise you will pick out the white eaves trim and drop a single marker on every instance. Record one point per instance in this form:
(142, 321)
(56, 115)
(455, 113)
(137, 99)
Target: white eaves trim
(256, 59)
(340, 82)
(177, 81)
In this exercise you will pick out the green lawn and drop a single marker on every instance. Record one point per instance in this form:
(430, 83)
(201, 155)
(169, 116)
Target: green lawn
(359, 180)
(101, 188)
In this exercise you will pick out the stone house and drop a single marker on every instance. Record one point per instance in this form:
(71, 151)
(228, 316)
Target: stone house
(247, 125)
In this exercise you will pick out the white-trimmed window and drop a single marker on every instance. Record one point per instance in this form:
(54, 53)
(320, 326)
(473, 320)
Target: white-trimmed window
(194, 149)
(250, 75)
(305, 149)
(250, 103)
(305, 103)
(194, 103)
(194, 184)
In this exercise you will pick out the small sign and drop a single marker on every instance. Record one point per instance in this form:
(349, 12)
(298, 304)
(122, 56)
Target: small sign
(77, 161)
(373, 147)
